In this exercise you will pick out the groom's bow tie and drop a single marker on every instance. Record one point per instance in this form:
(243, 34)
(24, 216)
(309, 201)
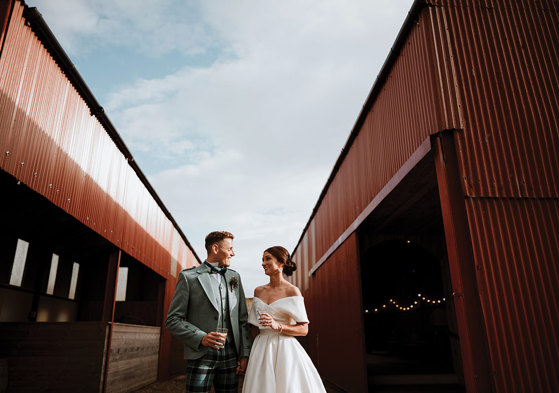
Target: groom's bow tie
(214, 270)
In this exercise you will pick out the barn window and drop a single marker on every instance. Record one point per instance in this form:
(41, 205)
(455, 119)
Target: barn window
(52, 274)
(18, 266)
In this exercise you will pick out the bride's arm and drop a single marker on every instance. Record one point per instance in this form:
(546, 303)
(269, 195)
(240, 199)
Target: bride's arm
(299, 329)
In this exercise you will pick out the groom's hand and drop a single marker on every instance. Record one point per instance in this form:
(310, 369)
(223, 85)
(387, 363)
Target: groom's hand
(213, 340)
(242, 365)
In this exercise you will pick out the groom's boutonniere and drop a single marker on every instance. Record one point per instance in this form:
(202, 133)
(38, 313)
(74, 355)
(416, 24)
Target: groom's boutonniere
(234, 282)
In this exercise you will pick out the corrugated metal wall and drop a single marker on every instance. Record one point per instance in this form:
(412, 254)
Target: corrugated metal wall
(401, 116)
(336, 322)
(505, 56)
(489, 69)
(516, 251)
(506, 61)
(50, 141)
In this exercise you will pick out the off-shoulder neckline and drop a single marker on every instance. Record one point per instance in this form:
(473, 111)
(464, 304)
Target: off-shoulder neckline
(277, 300)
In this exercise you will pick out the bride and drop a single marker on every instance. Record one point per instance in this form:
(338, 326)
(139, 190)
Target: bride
(277, 362)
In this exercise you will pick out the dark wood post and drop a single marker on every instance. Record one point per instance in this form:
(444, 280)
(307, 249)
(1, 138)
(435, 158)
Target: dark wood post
(166, 291)
(110, 286)
(471, 325)
(109, 305)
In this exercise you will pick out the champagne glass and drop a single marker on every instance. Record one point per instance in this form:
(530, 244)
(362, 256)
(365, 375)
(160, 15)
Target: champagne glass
(223, 331)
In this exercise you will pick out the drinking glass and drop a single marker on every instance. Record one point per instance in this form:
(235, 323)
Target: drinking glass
(222, 330)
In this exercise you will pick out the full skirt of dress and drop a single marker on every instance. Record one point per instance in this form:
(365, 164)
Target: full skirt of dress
(279, 364)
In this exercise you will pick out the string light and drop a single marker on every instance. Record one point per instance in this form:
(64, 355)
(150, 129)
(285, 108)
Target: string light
(411, 306)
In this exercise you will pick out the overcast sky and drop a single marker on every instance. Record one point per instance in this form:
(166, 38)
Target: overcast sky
(235, 110)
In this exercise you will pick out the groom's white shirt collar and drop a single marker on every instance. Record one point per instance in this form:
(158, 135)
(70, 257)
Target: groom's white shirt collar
(216, 277)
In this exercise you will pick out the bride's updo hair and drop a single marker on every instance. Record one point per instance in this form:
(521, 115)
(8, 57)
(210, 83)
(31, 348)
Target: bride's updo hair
(282, 255)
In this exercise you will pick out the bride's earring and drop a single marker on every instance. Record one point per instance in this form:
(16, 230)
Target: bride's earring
(280, 269)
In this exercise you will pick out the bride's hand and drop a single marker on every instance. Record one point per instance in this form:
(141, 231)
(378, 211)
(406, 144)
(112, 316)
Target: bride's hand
(267, 320)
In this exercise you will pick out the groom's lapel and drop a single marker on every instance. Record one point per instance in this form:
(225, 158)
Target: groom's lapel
(230, 293)
(204, 278)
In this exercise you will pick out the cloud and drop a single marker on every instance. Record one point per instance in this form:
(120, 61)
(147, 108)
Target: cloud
(246, 142)
(150, 27)
(299, 68)
(220, 194)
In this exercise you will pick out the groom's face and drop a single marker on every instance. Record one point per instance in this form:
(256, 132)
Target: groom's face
(224, 252)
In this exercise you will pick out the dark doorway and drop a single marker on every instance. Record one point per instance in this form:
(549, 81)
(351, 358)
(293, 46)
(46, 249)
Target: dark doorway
(142, 302)
(411, 343)
(405, 310)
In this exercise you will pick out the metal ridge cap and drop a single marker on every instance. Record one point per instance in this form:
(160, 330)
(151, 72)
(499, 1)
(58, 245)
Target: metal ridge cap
(415, 9)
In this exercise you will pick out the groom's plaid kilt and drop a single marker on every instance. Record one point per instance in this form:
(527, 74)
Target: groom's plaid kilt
(217, 366)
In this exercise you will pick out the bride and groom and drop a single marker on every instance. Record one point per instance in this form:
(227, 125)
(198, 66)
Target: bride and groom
(208, 313)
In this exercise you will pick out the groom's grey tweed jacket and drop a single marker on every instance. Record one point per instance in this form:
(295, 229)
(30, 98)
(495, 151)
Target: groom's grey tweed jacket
(194, 311)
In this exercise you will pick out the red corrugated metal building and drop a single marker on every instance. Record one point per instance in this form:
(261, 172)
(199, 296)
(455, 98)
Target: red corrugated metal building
(430, 262)
(79, 217)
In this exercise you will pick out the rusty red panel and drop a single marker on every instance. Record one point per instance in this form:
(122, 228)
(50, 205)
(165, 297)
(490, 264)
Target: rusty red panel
(333, 303)
(50, 141)
(505, 57)
(516, 249)
(506, 62)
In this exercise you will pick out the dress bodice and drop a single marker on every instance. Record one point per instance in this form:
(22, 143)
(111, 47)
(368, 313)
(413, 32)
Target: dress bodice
(287, 310)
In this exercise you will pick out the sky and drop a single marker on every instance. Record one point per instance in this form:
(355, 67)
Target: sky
(236, 110)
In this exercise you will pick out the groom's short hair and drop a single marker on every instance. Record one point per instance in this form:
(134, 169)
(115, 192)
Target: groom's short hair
(216, 237)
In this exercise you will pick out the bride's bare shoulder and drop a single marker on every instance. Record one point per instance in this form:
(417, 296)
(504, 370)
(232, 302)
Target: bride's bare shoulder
(258, 291)
(292, 290)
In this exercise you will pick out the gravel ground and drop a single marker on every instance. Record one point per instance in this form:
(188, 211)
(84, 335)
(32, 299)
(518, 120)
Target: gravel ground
(174, 385)
(177, 385)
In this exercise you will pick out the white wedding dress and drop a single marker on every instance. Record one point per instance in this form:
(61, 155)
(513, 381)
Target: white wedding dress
(278, 363)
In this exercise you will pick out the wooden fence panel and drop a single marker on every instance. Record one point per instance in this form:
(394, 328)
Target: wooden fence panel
(134, 357)
(56, 356)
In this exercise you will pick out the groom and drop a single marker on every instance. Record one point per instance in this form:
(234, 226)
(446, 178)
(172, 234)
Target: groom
(208, 297)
